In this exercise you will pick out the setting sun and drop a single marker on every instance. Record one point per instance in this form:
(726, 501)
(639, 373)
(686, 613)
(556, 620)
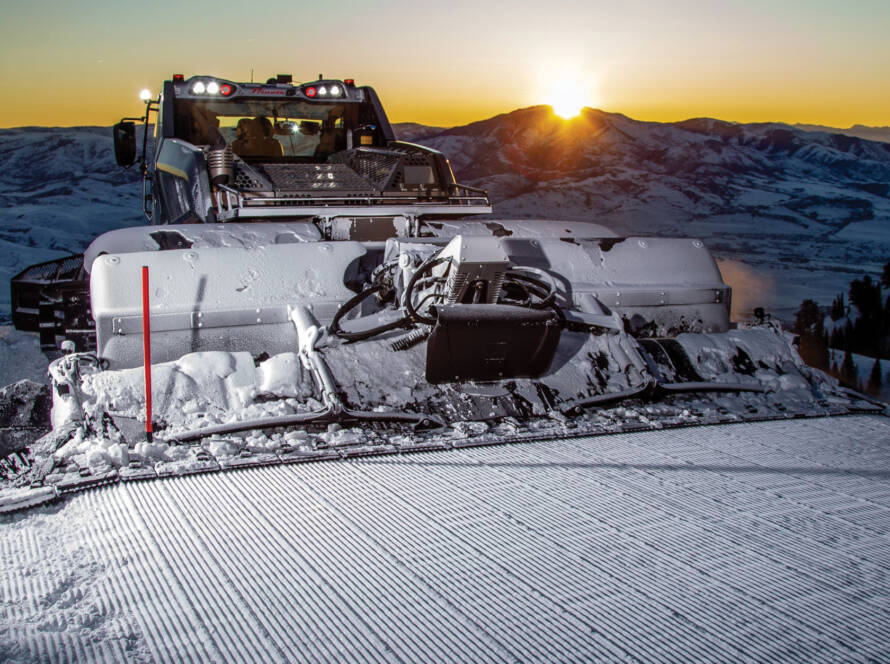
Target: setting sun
(567, 96)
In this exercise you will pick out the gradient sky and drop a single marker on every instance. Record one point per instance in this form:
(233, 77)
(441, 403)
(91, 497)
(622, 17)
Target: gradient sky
(72, 63)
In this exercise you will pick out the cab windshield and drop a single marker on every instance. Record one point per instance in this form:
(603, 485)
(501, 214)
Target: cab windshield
(268, 128)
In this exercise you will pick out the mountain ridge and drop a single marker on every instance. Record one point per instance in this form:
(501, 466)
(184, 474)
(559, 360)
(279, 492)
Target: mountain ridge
(866, 132)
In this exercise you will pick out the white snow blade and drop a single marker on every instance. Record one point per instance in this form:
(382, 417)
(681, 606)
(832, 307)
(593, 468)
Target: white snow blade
(325, 350)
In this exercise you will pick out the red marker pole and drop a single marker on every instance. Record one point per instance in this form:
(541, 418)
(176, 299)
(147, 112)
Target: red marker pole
(146, 352)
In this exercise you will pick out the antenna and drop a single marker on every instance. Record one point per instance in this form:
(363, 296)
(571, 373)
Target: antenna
(251, 75)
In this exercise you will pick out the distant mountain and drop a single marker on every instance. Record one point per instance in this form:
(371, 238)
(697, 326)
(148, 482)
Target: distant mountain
(59, 188)
(807, 210)
(792, 213)
(859, 131)
(623, 170)
(413, 132)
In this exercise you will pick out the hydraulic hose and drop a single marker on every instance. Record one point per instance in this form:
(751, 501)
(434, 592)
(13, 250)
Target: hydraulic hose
(413, 315)
(426, 266)
(545, 291)
(353, 302)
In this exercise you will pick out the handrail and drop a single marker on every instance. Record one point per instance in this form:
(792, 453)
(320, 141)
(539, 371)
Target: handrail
(243, 201)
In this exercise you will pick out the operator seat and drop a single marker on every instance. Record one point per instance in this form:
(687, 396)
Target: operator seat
(249, 136)
(268, 146)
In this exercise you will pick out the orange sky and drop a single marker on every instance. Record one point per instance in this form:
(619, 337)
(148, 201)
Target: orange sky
(449, 64)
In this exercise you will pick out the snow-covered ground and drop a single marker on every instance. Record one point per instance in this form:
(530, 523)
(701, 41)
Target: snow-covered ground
(758, 542)
(864, 366)
(20, 357)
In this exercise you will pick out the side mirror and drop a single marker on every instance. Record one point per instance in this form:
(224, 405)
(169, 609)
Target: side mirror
(125, 143)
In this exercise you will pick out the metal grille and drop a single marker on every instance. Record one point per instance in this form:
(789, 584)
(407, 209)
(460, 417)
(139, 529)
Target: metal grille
(494, 287)
(456, 286)
(301, 177)
(418, 159)
(314, 177)
(66, 268)
(359, 170)
(244, 180)
(377, 166)
(410, 158)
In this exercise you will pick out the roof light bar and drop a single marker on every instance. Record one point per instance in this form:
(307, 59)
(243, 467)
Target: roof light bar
(212, 87)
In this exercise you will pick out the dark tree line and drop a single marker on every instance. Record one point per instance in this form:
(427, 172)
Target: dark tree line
(868, 334)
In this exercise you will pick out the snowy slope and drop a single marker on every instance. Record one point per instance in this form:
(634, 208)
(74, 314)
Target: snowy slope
(413, 131)
(20, 357)
(758, 542)
(59, 188)
(864, 366)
